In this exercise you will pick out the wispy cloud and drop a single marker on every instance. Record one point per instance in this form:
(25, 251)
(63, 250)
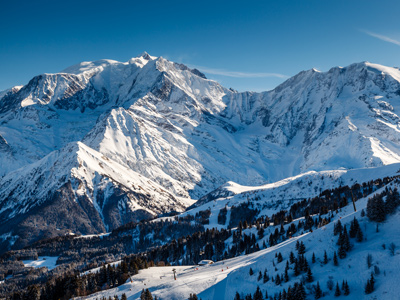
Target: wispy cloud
(382, 37)
(236, 74)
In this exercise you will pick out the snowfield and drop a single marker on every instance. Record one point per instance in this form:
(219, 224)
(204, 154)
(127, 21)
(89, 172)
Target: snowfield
(43, 261)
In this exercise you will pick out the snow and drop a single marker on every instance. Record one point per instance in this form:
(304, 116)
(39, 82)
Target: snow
(222, 279)
(153, 128)
(49, 262)
(393, 72)
(88, 236)
(95, 270)
(180, 136)
(89, 171)
(280, 195)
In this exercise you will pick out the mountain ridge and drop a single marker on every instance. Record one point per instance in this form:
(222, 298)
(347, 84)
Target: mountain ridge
(189, 135)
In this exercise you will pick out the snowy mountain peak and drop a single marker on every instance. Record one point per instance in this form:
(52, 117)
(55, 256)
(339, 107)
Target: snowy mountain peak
(147, 56)
(189, 135)
(89, 66)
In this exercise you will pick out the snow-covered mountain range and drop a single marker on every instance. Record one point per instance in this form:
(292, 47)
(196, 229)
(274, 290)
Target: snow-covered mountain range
(103, 143)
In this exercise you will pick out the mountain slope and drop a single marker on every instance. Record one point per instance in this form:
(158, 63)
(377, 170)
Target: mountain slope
(78, 189)
(186, 134)
(223, 279)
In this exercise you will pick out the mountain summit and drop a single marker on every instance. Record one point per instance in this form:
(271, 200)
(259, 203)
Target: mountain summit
(114, 142)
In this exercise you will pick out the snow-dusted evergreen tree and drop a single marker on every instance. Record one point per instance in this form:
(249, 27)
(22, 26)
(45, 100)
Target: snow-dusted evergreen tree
(359, 236)
(193, 297)
(335, 259)
(376, 210)
(354, 227)
(302, 248)
(291, 257)
(325, 257)
(237, 296)
(337, 228)
(346, 289)
(265, 276)
(258, 294)
(363, 213)
(318, 291)
(146, 295)
(392, 201)
(310, 277)
(337, 290)
(370, 286)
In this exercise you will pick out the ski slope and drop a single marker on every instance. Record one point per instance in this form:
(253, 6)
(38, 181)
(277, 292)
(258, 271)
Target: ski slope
(221, 280)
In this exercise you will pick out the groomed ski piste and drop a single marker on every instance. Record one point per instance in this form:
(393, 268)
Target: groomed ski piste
(223, 279)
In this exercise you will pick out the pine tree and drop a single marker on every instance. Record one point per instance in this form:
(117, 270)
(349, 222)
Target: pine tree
(318, 291)
(344, 243)
(346, 289)
(286, 277)
(337, 291)
(123, 297)
(260, 233)
(391, 202)
(376, 209)
(335, 259)
(251, 272)
(279, 258)
(359, 236)
(342, 252)
(259, 276)
(300, 292)
(372, 281)
(296, 268)
(277, 279)
(362, 213)
(284, 294)
(265, 277)
(237, 296)
(354, 227)
(193, 297)
(313, 258)
(370, 286)
(310, 277)
(346, 240)
(291, 257)
(337, 228)
(305, 264)
(146, 295)
(302, 248)
(258, 294)
(325, 258)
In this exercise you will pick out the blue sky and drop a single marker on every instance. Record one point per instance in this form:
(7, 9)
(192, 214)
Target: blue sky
(246, 45)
